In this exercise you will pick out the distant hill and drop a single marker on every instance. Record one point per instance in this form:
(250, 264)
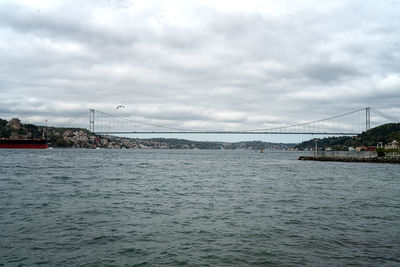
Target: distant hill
(82, 138)
(385, 133)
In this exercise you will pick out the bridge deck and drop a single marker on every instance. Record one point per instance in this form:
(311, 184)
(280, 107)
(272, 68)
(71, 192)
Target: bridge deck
(220, 132)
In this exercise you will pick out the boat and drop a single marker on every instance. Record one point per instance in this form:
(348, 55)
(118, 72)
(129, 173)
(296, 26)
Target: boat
(23, 143)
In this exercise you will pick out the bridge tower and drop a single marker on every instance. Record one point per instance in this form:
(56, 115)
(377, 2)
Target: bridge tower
(368, 118)
(91, 120)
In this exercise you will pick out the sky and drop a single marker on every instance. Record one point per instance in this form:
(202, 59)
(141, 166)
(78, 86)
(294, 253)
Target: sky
(213, 65)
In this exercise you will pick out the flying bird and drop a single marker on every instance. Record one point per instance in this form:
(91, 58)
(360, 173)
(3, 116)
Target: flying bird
(120, 106)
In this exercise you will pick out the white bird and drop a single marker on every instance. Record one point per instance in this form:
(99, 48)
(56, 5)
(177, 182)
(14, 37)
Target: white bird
(120, 106)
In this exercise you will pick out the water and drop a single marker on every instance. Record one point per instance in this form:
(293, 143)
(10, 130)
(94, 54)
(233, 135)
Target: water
(197, 208)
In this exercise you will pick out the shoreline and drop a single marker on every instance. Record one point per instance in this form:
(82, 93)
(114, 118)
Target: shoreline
(352, 159)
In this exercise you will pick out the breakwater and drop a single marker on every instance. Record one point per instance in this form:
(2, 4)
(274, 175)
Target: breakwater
(352, 159)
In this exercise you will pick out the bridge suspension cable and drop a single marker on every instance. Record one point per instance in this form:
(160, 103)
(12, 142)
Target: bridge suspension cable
(383, 115)
(106, 116)
(310, 123)
(73, 119)
(350, 123)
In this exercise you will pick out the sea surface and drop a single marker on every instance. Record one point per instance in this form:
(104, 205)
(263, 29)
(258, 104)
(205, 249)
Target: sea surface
(195, 208)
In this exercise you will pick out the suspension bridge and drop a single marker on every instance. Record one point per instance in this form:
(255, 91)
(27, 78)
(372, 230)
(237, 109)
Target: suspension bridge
(350, 123)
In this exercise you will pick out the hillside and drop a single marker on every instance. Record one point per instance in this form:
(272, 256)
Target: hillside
(385, 133)
(82, 138)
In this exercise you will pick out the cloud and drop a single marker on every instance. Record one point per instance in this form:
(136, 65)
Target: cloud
(211, 64)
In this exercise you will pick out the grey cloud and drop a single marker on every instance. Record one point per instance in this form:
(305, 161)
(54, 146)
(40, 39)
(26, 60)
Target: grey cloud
(289, 68)
(327, 72)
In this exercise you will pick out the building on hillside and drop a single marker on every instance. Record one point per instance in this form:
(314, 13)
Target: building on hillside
(393, 145)
(361, 148)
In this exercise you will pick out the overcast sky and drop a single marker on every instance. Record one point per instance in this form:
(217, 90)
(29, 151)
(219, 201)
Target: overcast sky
(199, 64)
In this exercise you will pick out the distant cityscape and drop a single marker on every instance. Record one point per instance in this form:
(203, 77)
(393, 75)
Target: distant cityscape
(82, 138)
(383, 137)
(85, 139)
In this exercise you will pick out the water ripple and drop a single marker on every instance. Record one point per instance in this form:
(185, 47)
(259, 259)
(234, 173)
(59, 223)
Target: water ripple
(196, 208)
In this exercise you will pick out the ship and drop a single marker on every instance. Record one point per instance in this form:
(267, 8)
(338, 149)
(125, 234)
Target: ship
(23, 143)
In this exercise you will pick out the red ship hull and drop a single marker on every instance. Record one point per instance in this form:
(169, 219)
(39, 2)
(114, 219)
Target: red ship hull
(23, 144)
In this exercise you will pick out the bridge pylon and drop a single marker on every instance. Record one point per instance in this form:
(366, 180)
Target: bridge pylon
(91, 120)
(368, 118)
